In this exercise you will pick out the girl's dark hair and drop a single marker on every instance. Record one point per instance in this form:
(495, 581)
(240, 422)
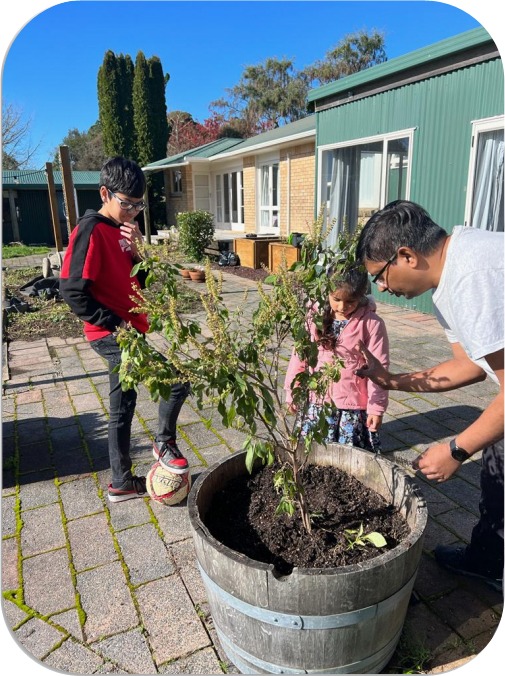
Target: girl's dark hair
(355, 281)
(122, 175)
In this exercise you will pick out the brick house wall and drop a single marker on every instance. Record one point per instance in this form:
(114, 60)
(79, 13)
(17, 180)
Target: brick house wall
(297, 167)
(249, 178)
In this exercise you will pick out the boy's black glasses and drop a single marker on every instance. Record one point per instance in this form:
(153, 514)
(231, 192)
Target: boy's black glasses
(128, 206)
(390, 260)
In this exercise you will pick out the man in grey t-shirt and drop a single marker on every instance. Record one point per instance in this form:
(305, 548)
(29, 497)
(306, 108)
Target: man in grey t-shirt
(407, 254)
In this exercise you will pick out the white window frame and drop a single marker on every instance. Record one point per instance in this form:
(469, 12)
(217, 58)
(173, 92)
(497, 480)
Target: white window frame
(384, 138)
(262, 162)
(478, 126)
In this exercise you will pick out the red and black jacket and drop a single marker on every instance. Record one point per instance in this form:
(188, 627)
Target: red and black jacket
(95, 277)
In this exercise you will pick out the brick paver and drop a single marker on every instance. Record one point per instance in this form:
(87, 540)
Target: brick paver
(95, 587)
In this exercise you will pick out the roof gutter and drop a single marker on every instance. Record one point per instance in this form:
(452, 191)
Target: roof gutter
(264, 146)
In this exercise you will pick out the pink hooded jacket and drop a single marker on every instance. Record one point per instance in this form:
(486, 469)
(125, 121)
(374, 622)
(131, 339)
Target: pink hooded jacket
(351, 392)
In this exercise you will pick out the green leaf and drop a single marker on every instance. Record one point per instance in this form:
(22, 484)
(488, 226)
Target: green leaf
(376, 539)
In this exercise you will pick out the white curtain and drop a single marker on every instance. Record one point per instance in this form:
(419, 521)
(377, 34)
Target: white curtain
(487, 208)
(343, 189)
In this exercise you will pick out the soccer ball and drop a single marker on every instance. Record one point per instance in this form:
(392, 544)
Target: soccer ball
(167, 487)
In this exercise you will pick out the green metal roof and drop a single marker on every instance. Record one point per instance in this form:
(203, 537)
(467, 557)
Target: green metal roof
(237, 145)
(306, 124)
(461, 42)
(201, 152)
(18, 178)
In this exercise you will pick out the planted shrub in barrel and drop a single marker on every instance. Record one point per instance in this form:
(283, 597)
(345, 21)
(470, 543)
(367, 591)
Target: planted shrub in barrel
(321, 620)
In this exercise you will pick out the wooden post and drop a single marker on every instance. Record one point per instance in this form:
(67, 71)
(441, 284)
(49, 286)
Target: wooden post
(147, 217)
(54, 206)
(68, 189)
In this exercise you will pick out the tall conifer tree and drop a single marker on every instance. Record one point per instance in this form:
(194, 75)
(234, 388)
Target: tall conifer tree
(142, 115)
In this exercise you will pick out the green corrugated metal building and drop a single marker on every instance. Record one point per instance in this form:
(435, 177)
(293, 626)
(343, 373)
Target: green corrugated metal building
(427, 126)
(26, 211)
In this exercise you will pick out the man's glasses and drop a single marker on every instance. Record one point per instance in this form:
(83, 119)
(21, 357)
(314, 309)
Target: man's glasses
(375, 278)
(128, 206)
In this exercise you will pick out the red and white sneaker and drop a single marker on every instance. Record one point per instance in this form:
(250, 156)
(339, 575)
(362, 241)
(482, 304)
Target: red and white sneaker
(134, 488)
(170, 457)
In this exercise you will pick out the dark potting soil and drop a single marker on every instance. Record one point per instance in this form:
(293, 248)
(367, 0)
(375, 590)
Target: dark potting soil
(242, 517)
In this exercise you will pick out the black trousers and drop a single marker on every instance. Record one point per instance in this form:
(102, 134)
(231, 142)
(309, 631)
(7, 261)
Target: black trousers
(122, 408)
(486, 546)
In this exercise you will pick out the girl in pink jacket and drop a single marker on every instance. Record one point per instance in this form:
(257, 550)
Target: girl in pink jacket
(358, 404)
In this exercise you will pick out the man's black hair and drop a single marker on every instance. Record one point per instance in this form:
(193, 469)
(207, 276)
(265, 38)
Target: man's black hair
(119, 174)
(399, 223)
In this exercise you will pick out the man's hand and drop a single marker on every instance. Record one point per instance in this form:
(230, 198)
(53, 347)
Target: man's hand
(437, 463)
(372, 368)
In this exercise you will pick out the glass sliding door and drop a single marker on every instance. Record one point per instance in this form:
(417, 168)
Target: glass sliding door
(230, 201)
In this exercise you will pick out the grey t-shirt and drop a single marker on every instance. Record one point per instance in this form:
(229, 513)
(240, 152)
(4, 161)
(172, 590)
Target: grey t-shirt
(470, 296)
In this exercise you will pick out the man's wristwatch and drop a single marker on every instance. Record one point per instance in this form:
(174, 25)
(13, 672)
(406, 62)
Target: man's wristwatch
(457, 452)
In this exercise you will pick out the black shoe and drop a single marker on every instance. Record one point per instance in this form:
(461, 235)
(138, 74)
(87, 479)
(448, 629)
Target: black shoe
(170, 457)
(133, 488)
(453, 557)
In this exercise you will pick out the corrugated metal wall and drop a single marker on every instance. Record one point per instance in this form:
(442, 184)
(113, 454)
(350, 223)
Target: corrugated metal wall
(441, 109)
(35, 224)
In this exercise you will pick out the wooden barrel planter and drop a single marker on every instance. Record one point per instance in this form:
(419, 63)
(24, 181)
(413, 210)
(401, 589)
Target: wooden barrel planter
(337, 620)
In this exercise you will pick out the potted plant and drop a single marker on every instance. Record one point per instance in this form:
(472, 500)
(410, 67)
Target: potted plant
(197, 274)
(338, 618)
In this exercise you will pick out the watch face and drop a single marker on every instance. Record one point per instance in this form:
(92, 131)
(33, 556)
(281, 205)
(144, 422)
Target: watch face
(459, 455)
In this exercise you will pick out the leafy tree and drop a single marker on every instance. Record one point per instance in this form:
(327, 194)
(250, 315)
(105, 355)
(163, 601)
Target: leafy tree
(187, 133)
(17, 148)
(86, 149)
(269, 94)
(355, 52)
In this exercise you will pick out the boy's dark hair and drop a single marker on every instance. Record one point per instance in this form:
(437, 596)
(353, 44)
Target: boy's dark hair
(399, 223)
(355, 280)
(122, 175)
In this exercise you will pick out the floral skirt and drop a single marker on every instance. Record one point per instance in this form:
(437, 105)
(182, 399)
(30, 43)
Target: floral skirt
(345, 427)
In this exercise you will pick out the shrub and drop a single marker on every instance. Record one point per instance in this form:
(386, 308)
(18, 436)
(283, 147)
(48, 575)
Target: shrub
(196, 232)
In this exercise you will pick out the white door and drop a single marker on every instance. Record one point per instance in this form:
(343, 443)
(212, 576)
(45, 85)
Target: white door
(201, 187)
(230, 201)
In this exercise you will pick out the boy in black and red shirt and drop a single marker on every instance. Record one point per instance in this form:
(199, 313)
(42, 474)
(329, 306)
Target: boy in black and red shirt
(95, 282)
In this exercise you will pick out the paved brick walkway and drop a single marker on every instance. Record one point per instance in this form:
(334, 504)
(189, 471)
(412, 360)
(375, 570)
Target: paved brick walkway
(95, 587)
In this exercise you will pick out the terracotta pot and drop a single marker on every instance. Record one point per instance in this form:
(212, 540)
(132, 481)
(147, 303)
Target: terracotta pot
(197, 275)
(184, 273)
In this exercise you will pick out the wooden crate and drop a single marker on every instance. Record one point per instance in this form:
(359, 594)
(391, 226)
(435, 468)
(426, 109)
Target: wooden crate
(276, 252)
(253, 253)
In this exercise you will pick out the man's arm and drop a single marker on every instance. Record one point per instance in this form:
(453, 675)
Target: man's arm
(437, 463)
(449, 375)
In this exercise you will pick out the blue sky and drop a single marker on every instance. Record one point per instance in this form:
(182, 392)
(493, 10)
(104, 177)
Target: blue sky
(51, 64)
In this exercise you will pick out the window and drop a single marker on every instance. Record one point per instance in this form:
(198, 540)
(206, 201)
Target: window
(269, 198)
(484, 206)
(359, 179)
(176, 181)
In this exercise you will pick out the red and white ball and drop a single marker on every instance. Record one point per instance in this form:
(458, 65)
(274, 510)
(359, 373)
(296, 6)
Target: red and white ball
(167, 487)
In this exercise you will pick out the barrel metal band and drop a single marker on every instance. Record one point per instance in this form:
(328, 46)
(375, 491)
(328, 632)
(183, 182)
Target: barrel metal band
(300, 622)
(243, 660)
